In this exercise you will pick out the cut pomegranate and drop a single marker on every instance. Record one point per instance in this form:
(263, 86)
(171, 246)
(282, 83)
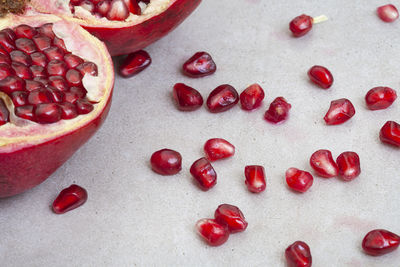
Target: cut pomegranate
(380, 97)
(186, 97)
(70, 198)
(387, 13)
(199, 65)
(278, 111)
(299, 180)
(232, 217)
(340, 111)
(204, 173)
(379, 242)
(390, 133)
(214, 233)
(252, 97)
(255, 178)
(349, 165)
(134, 63)
(301, 25)
(166, 162)
(321, 76)
(222, 98)
(298, 254)
(218, 148)
(323, 164)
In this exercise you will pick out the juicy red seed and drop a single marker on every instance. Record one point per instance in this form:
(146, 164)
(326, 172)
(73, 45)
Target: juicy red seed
(186, 97)
(278, 110)
(39, 59)
(222, 98)
(214, 233)
(166, 162)
(79, 91)
(118, 11)
(25, 112)
(71, 97)
(133, 7)
(255, 178)
(379, 242)
(57, 68)
(60, 44)
(73, 77)
(21, 70)
(340, 111)
(232, 217)
(19, 98)
(11, 34)
(38, 71)
(47, 30)
(70, 198)
(68, 111)
(252, 97)
(83, 106)
(5, 71)
(199, 65)
(25, 31)
(6, 42)
(299, 180)
(33, 85)
(204, 173)
(89, 6)
(301, 25)
(218, 148)
(298, 254)
(3, 51)
(57, 95)
(349, 165)
(42, 42)
(48, 113)
(11, 84)
(54, 53)
(72, 60)
(58, 82)
(21, 57)
(390, 133)
(4, 113)
(103, 7)
(387, 13)
(26, 45)
(321, 76)
(39, 96)
(323, 164)
(134, 63)
(5, 59)
(380, 97)
(88, 68)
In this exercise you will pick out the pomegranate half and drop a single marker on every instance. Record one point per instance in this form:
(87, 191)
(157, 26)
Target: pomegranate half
(52, 102)
(123, 30)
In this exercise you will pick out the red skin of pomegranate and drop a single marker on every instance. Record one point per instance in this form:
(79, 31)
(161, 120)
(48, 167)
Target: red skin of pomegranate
(186, 97)
(349, 165)
(199, 65)
(299, 180)
(390, 133)
(340, 111)
(232, 217)
(379, 242)
(298, 254)
(255, 178)
(166, 162)
(134, 63)
(218, 148)
(212, 232)
(222, 98)
(323, 164)
(321, 76)
(204, 173)
(380, 97)
(387, 13)
(251, 97)
(69, 198)
(301, 25)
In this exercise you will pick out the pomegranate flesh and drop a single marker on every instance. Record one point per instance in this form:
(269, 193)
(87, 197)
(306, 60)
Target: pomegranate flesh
(69, 198)
(349, 165)
(218, 148)
(166, 162)
(204, 173)
(212, 232)
(278, 111)
(380, 98)
(299, 180)
(340, 111)
(298, 254)
(379, 242)
(134, 63)
(222, 98)
(255, 178)
(232, 217)
(199, 65)
(390, 133)
(323, 164)
(321, 76)
(301, 25)
(251, 97)
(186, 97)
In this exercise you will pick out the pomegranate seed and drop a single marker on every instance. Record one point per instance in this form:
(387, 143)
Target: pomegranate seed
(74, 77)
(19, 98)
(218, 148)
(379, 242)
(5, 59)
(21, 57)
(88, 68)
(79, 91)
(47, 30)
(11, 84)
(26, 45)
(5, 71)
(323, 164)
(42, 42)
(278, 110)
(199, 65)
(60, 44)
(33, 85)
(25, 112)
(22, 71)
(212, 232)
(4, 113)
(38, 71)
(71, 97)
(349, 165)
(340, 111)
(48, 113)
(11, 34)
(232, 217)
(298, 254)
(166, 162)
(133, 7)
(255, 178)
(387, 13)
(204, 173)
(252, 97)
(58, 82)
(57, 95)
(390, 133)
(301, 25)
(25, 31)
(186, 97)
(70, 198)
(39, 96)
(103, 7)
(299, 180)
(118, 11)
(57, 68)
(54, 53)
(72, 60)
(68, 111)
(380, 97)
(39, 59)
(83, 106)
(6, 42)
(321, 76)
(222, 98)
(134, 63)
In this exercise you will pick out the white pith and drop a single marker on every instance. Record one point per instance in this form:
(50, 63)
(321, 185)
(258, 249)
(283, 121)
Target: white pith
(19, 133)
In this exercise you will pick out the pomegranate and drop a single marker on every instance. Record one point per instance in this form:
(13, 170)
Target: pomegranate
(278, 111)
(69, 198)
(186, 97)
(340, 111)
(214, 233)
(298, 254)
(255, 178)
(218, 148)
(252, 97)
(302, 24)
(199, 65)
(299, 180)
(380, 97)
(379, 242)
(321, 76)
(53, 99)
(232, 217)
(204, 173)
(166, 162)
(390, 133)
(222, 98)
(134, 63)
(387, 13)
(349, 165)
(323, 164)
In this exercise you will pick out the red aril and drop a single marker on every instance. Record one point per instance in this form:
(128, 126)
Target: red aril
(298, 254)
(380, 97)
(349, 165)
(186, 97)
(298, 180)
(323, 164)
(255, 178)
(379, 242)
(232, 217)
(321, 76)
(212, 232)
(222, 98)
(252, 97)
(301, 25)
(387, 13)
(134, 63)
(390, 133)
(199, 65)
(340, 111)
(166, 162)
(218, 148)
(204, 173)
(278, 111)
(69, 198)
